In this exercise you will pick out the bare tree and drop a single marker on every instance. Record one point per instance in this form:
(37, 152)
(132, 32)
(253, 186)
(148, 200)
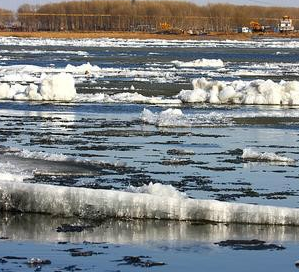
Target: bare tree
(143, 15)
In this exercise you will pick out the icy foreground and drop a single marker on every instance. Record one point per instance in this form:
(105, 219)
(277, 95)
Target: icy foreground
(93, 204)
(257, 92)
(60, 87)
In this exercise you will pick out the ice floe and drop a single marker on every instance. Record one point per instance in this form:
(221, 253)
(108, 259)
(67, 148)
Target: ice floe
(96, 204)
(199, 63)
(60, 87)
(125, 97)
(168, 118)
(39, 155)
(29, 82)
(251, 155)
(58, 157)
(85, 72)
(176, 118)
(181, 152)
(257, 92)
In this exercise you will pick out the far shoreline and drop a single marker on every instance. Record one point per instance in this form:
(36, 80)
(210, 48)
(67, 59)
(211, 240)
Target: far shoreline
(146, 36)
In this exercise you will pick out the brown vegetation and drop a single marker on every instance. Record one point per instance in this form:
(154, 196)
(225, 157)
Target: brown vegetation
(125, 15)
(6, 17)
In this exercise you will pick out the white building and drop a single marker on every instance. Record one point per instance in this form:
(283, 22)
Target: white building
(244, 29)
(285, 24)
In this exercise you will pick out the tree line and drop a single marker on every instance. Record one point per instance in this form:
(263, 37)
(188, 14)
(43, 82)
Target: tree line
(6, 17)
(126, 15)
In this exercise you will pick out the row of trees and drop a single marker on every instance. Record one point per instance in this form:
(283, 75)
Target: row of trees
(6, 17)
(129, 15)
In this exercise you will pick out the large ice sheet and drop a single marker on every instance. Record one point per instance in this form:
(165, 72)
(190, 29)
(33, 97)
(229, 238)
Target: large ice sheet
(95, 204)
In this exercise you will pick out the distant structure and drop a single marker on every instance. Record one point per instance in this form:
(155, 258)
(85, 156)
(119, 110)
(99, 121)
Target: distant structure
(285, 24)
(244, 29)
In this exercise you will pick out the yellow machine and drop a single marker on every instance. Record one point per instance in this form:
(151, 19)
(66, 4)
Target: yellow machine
(165, 26)
(256, 27)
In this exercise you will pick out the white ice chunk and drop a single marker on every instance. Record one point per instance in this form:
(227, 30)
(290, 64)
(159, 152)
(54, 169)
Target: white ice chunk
(193, 96)
(176, 118)
(249, 154)
(85, 68)
(5, 91)
(59, 87)
(257, 92)
(199, 63)
(168, 118)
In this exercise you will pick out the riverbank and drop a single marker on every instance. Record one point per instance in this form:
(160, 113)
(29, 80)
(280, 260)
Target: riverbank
(145, 36)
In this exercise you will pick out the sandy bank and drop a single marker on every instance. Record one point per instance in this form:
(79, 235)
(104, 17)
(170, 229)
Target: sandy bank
(143, 36)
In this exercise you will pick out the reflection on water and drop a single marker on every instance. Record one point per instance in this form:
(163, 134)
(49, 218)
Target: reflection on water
(42, 228)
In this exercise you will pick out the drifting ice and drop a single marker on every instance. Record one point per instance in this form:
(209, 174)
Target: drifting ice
(95, 204)
(168, 118)
(125, 98)
(199, 63)
(259, 92)
(60, 87)
(176, 118)
(249, 154)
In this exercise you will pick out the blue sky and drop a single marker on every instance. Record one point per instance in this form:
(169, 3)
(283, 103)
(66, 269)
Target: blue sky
(14, 4)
